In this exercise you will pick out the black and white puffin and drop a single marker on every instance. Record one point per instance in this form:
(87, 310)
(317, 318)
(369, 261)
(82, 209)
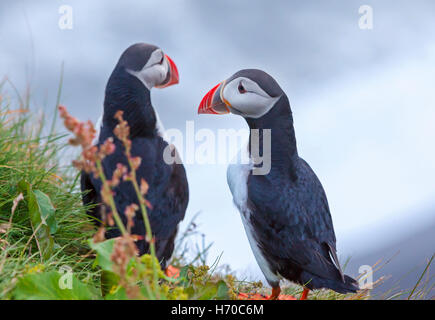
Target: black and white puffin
(140, 68)
(284, 211)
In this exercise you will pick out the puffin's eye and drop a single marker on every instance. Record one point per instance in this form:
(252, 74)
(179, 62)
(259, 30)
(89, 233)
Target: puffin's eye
(241, 88)
(161, 60)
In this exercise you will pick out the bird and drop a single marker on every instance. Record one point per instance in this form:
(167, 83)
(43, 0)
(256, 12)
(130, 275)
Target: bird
(140, 68)
(283, 206)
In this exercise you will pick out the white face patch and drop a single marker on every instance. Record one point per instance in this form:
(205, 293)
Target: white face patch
(154, 71)
(247, 98)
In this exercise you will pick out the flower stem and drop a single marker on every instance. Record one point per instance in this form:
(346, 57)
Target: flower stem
(110, 199)
(149, 235)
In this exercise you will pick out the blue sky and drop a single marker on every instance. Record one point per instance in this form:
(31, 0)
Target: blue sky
(362, 100)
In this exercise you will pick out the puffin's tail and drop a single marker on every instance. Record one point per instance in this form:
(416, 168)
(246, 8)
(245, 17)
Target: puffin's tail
(350, 284)
(314, 282)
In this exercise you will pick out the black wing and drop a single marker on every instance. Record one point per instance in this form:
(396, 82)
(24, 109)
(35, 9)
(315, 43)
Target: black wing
(90, 196)
(292, 223)
(167, 194)
(174, 202)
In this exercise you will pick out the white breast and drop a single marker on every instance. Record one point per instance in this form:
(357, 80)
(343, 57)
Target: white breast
(237, 178)
(98, 127)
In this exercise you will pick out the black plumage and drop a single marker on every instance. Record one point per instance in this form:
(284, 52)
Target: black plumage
(168, 187)
(290, 215)
(284, 211)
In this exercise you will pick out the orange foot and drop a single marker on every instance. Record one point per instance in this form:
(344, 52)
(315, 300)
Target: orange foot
(277, 296)
(275, 293)
(172, 272)
(305, 294)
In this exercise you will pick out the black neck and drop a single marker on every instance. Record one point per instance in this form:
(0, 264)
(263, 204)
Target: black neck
(127, 93)
(283, 141)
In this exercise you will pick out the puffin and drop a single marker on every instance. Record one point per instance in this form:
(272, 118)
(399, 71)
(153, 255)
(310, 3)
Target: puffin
(283, 205)
(140, 68)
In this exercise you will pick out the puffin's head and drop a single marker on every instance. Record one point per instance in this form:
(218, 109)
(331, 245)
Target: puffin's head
(150, 65)
(250, 93)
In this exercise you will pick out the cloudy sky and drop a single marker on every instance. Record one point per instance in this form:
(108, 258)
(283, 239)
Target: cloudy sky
(363, 101)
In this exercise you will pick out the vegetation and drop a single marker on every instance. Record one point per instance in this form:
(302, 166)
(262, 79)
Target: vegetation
(50, 248)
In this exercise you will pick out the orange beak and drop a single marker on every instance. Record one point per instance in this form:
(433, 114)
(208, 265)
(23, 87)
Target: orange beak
(173, 74)
(214, 102)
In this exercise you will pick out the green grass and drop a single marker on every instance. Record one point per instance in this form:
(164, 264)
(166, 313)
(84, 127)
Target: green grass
(31, 157)
(26, 154)
(30, 154)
